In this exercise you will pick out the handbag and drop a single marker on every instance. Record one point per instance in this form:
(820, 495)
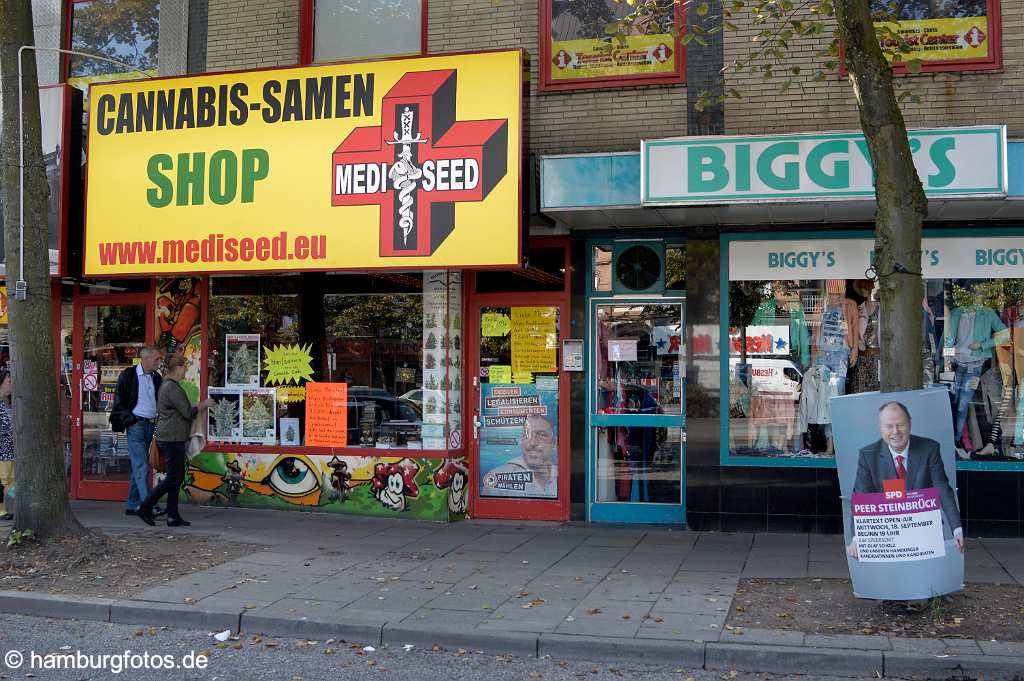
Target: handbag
(156, 462)
(197, 439)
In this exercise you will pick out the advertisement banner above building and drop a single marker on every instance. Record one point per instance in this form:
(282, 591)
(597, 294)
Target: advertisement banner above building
(951, 162)
(398, 164)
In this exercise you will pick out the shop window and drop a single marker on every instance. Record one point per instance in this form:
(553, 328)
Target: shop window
(386, 348)
(800, 333)
(128, 32)
(364, 29)
(944, 36)
(581, 49)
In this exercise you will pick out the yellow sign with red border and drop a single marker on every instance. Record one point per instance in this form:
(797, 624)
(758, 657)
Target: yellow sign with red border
(930, 40)
(397, 164)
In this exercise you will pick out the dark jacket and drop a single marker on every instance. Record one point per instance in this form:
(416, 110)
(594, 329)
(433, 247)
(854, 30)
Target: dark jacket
(924, 469)
(174, 413)
(126, 396)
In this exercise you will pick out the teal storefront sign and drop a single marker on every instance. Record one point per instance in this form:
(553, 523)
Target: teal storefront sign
(951, 162)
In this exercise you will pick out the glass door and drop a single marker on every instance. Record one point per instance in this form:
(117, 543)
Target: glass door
(519, 445)
(638, 412)
(110, 333)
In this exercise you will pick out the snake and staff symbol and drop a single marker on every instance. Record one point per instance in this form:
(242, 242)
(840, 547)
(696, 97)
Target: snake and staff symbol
(404, 174)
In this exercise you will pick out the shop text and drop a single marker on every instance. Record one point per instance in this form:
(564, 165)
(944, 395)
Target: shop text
(216, 248)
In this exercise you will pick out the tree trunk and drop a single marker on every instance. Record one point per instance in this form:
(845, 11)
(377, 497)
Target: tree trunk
(41, 486)
(901, 205)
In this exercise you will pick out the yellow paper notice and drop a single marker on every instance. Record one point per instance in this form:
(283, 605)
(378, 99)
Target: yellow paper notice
(288, 364)
(534, 339)
(501, 373)
(494, 324)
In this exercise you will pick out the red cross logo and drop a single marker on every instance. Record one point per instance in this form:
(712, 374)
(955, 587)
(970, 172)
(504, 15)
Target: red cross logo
(419, 163)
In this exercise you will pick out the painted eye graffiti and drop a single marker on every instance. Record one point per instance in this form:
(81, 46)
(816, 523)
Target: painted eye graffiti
(395, 484)
(292, 477)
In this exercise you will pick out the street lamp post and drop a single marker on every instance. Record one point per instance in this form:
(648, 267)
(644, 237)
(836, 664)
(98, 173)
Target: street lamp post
(21, 286)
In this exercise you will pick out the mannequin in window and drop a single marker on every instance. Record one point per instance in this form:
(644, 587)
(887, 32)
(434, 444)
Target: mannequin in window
(972, 331)
(864, 376)
(835, 339)
(1011, 366)
(785, 307)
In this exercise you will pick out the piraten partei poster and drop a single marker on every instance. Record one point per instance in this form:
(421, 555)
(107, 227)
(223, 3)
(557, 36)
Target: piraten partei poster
(519, 439)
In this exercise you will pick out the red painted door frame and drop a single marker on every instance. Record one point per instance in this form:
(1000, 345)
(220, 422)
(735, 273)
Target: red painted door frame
(516, 509)
(99, 490)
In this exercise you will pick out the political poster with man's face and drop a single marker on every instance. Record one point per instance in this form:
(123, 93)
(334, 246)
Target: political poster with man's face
(897, 475)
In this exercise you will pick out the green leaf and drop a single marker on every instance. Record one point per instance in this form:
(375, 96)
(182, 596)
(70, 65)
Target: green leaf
(786, 85)
(914, 65)
(703, 9)
(700, 41)
(795, 70)
(612, 28)
(687, 39)
(729, 26)
(915, 99)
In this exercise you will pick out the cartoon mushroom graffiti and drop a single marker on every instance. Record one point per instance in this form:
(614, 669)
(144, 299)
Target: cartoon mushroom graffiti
(393, 482)
(453, 476)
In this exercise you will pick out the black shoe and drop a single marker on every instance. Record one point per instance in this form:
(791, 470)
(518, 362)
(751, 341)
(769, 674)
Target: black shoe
(131, 511)
(177, 522)
(146, 516)
(157, 511)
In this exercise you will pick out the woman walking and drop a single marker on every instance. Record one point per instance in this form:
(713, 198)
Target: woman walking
(175, 415)
(6, 442)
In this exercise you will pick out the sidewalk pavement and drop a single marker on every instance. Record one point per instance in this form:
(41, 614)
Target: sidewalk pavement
(559, 589)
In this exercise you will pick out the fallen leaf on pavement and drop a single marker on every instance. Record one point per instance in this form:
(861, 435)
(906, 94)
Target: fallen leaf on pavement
(594, 611)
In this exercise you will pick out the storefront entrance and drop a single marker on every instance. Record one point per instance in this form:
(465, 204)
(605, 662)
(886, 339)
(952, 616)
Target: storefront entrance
(638, 422)
(109, 332)
(517, 398)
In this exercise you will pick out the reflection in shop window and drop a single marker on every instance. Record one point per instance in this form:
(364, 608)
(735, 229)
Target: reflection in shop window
(127, 31)
(796, 343)
(390, 348)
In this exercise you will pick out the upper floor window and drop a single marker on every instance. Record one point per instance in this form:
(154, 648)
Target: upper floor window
(362, 29)
(592, 43)
(945, 35)
(128, 32)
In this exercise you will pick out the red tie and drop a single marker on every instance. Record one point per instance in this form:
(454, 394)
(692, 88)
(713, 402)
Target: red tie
(901, 472)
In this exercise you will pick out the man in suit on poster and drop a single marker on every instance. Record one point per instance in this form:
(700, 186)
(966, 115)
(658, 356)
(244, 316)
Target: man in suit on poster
(898, 455)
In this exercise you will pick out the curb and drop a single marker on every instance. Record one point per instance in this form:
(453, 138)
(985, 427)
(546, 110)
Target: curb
(60, 607)
(516, 642)
(709, 656)
(174, 615)
(679, 653)
(793, 660)
(908, 666)
(310, 628)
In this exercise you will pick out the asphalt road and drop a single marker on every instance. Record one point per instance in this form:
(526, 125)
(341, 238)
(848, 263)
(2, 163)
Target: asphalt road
(287, 659)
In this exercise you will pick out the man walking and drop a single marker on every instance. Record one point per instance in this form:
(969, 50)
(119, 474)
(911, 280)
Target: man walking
(134, 413)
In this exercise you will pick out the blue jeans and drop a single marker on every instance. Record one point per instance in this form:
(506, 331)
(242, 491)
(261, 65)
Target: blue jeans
(140, 434)
(965, 383)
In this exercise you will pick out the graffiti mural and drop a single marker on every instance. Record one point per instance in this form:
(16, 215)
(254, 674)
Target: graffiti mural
(422, 488)
(178, 323)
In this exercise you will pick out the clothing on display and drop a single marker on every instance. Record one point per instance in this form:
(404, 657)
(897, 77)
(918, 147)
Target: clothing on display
(776, 312)
(864, 376)
(971, 334)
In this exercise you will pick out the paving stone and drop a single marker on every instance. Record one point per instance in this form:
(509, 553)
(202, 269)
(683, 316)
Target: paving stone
(690, 604)
(922, 646)
(988, 575)
(662, 653)
(792, 660)
(445, 618)
(777, 569)
(775, 637)
(852, 641)
(962, 646)
(1003, 648)
(914, 666)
